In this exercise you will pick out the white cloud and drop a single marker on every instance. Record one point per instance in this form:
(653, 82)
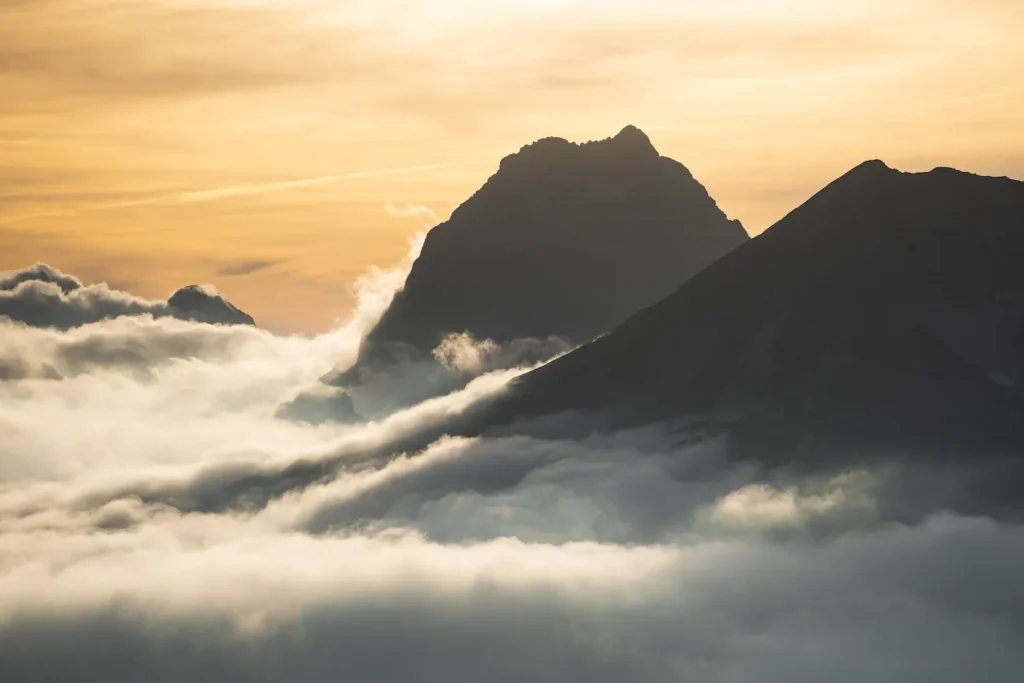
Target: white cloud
(410, 210)
(157, 522)
(763, 507)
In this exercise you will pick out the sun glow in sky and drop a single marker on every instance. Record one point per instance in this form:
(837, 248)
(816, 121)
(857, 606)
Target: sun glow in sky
(276, 149)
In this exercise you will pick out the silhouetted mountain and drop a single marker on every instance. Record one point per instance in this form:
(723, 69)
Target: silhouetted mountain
(886, 312)
(195, 302)
(565, 241)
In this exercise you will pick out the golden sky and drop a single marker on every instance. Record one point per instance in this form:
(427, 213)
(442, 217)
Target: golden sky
(277, 148)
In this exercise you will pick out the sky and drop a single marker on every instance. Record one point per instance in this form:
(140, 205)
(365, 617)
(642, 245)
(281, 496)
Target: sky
(277, 149)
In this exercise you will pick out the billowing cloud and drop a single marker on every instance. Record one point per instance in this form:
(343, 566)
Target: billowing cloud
(397, 375)
(511, 559)
(39, 272)
(127, 343)
(159, 521)
(42, 296)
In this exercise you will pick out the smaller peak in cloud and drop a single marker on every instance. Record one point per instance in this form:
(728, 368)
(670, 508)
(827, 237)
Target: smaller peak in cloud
(204, 303)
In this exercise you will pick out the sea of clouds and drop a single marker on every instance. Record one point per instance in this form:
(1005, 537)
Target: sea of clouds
(160, 520)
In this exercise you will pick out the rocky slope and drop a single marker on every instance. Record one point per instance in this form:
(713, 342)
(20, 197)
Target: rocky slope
(562, 243)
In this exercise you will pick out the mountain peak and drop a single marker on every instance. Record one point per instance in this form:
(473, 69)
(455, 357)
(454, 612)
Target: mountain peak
(634, 137)
(630, 142)
(861, 181)
(883, 312)
(564, 241)
(873, 170)
(205, 304)
(872, 166)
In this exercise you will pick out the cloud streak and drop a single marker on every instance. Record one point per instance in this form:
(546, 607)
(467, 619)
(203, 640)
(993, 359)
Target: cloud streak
(288, 185)
(243, 268)
(230, 192)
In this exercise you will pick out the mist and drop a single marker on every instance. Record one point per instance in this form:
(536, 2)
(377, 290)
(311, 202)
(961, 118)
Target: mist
(162, 519)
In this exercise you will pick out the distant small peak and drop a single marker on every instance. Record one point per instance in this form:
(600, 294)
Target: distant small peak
(205, 304)
(950, 171)
(205, 290)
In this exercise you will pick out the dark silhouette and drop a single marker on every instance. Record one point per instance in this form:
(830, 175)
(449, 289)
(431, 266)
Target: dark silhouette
(887, 312)
(196, 303)
(879, 325)
(565, 241)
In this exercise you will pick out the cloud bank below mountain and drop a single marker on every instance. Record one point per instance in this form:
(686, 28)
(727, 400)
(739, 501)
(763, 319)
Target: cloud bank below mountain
(158, 522)
(42, 296)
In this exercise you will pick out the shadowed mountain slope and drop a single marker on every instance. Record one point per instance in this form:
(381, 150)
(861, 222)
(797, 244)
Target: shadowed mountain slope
(565, 240)
(886, 312)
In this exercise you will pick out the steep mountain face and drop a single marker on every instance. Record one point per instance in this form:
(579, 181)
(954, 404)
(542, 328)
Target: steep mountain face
(564, 241)
(886, 312)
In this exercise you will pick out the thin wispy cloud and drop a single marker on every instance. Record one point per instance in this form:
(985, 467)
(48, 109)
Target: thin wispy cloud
(302, 183)
(242, 268)
(231, 191)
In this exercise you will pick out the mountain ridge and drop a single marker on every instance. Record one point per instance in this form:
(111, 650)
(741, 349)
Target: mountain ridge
(562, 242)
(759, 331)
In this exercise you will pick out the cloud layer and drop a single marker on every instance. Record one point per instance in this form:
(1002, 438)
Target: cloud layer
(158, 522)
(42, 296)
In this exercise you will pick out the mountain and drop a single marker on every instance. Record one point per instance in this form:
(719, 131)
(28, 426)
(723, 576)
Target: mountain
(564, 241)
(200, 304)
(887, 312)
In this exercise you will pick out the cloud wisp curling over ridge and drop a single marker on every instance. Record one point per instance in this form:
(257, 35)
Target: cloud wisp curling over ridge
(158, 522)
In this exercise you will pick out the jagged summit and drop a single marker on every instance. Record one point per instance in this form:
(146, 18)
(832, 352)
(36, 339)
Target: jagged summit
(630, 142)
(566, 247)
(564, 240)
(634, 138)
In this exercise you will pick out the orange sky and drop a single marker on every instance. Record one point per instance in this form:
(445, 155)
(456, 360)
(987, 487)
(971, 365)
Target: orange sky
(276, 149)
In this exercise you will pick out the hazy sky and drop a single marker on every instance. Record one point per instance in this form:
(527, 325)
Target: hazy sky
(276, 149)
